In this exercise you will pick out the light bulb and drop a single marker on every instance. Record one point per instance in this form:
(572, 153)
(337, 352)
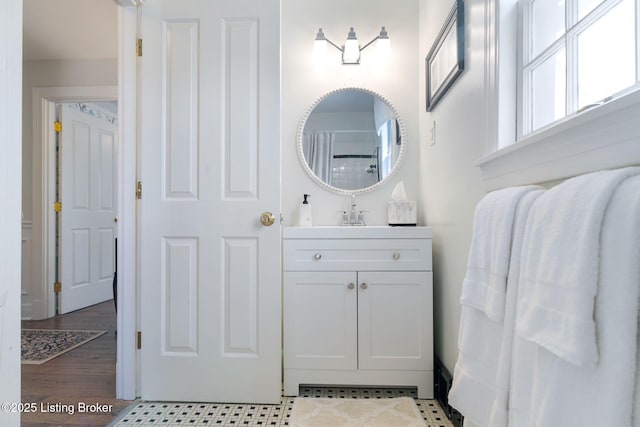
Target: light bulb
(351, 53)
(383, 44)
(320, 46)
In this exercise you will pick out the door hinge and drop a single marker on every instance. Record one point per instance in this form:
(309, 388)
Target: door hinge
(57, 207)
(139, 47)
(57, 287)
(139, 190)
(57, 126)
(139, 340)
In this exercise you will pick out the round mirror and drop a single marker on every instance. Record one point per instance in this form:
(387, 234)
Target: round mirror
(351, 140)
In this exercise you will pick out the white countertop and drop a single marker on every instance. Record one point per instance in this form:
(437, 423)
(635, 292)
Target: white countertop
(356, 232)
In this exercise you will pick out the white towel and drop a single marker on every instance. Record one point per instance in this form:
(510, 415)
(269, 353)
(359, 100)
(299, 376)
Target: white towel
(474, 376)
(549, 391)
(523, 380)
(484, 285)
(500, 408)
(480, 339)
(560, 273)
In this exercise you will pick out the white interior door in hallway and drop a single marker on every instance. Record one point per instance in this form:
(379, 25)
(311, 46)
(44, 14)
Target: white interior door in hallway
(210, 280)
(87, 192)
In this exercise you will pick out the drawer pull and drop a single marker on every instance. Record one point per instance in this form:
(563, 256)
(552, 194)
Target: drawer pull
(396, 255)
(317, 256)
(363, 285)
(351, 286)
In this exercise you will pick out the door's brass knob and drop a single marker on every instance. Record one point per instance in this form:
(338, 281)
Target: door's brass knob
(267, 219)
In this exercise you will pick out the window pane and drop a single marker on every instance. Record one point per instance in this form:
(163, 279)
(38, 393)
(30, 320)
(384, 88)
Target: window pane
(547, 19)
(586, 6)
(606, 55)
(548, 90)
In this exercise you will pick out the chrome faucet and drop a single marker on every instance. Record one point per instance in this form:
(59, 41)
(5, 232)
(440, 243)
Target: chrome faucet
(352, 214)
(353, 218)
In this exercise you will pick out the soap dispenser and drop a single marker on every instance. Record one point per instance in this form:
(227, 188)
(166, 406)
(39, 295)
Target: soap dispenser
(305, 212)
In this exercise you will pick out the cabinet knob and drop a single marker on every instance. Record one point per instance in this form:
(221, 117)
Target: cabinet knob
(396, 255)
(363, 285)
(317, 256)
(351, 286)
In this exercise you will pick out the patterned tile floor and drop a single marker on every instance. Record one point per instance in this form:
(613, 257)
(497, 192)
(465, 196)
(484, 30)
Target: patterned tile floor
(221, 414)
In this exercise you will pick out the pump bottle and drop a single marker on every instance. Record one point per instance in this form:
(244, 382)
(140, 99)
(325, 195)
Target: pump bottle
(305, 213)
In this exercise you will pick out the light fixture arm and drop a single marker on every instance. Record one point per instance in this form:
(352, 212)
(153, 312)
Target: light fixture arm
(368, 44)
(382, 35)
(334, 45)
(321, 37)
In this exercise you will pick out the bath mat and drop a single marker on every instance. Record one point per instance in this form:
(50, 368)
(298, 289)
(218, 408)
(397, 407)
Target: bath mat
(322, 412)
(41, 345)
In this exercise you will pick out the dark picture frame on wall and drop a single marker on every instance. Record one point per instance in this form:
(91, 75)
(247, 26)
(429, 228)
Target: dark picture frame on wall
(445, 60)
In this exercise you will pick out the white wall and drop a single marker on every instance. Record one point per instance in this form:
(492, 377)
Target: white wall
(303, 83)
(450, 183)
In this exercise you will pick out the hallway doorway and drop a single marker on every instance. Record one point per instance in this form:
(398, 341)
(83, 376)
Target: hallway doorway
(86, 374)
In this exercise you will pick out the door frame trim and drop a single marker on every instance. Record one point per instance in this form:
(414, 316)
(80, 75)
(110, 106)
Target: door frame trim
(10, 190)
(127, 367)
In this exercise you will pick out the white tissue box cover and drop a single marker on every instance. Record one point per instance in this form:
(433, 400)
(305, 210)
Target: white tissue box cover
(402, 212)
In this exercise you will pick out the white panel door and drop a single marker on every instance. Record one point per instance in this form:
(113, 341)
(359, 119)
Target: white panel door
(87, 193)
(209, 164)
(395, 324)
(320, 320)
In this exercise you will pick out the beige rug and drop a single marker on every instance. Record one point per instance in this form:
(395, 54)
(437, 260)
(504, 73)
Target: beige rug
(325, 412)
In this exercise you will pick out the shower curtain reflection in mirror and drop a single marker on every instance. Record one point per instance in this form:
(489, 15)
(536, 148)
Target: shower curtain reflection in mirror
(318, 151)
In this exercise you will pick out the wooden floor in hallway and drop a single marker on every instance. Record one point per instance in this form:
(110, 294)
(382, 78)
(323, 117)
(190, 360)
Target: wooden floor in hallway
(86, 374)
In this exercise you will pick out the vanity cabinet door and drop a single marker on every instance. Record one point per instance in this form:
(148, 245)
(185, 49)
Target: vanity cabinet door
(320, 320)
(395, 320)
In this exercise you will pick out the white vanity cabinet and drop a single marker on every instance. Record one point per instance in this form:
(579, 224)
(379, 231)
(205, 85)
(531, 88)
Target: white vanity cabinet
(358, 307)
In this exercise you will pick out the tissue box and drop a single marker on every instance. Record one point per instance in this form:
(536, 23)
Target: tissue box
(402, 213)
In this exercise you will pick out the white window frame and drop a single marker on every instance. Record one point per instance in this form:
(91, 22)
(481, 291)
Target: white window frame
(603, 137)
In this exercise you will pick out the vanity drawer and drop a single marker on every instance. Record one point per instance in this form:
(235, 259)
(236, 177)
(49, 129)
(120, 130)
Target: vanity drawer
(357, 254)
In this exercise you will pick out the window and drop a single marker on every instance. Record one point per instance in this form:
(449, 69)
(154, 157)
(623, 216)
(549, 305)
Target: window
(569, 103)
(574, 54)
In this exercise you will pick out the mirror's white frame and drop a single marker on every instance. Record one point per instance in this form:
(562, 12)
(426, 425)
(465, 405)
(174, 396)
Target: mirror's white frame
(320, 182)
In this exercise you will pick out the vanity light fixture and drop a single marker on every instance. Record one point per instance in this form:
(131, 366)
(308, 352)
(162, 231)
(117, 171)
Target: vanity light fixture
(351, 48)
